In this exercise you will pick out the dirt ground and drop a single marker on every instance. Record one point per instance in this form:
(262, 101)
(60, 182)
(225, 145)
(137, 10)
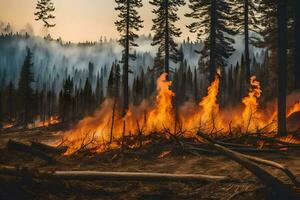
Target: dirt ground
(248, 187)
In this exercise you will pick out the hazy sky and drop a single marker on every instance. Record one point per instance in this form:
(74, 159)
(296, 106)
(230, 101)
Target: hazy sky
(79, 20)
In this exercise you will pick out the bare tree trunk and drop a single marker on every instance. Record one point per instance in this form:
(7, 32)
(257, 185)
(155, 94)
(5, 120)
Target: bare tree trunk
(126, 65)
(297, 43)
(123, 137)
(246, 30)
(212, 57)
(112, 121)
(167, 42)
(140, 134)
(282, 65)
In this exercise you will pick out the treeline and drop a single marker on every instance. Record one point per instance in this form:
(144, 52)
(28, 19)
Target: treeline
(272, 25)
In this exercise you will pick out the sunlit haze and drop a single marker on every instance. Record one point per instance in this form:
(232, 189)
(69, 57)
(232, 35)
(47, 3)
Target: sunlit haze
(79, 20)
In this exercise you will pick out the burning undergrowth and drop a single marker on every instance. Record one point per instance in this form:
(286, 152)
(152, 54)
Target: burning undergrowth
(104, 130)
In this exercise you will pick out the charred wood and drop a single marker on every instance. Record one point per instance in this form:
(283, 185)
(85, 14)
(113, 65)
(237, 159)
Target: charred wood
(20, 147)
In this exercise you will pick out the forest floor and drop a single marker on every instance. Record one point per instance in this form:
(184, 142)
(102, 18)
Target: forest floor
(248, 187)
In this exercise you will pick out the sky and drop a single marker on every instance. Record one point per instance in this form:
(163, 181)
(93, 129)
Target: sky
(80, 20)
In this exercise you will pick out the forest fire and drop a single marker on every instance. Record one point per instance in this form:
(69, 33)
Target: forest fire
(95, 132)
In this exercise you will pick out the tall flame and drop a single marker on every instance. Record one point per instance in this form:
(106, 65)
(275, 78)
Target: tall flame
(162, 116)
(251, 104)
(95, 132)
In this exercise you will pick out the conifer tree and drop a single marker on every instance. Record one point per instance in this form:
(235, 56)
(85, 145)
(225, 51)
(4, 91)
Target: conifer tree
(245, 21)
(165, 30)
(88, 97)
(45, 9)
(213, 26)
(66, 99)
(99, 91)
(25, 91)
(129, 21)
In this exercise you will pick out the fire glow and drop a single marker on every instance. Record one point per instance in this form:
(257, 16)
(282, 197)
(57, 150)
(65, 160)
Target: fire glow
(207, 116)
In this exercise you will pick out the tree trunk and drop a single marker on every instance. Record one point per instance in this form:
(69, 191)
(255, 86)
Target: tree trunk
(282, 64)
(126, 65)
(112, 121)
(246, 30)
(297, 43)
(167, 50)
(212, 62)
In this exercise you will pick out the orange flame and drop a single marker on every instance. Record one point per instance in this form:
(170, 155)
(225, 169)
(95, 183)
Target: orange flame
(162, 116)
(94, 132)
(251, 104)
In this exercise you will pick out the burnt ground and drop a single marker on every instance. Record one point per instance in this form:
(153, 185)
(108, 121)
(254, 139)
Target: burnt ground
(247, 186)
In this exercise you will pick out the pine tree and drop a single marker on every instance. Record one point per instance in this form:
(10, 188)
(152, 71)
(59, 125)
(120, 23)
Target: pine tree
(129, 22)
(166, 31)
(66, 96)
(245, 20)
(45, 8)
(25, 91)
(213, 26)
(110, 83)
(99, 91)
(88, 97)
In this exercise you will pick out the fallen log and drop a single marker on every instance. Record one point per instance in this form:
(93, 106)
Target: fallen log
(18, 146)
(281, 167)
(109, 176)
(268, 179)
(238, 149)
(48, 149)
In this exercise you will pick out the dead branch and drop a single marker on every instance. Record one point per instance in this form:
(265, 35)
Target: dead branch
(85, 143)
(17, 146)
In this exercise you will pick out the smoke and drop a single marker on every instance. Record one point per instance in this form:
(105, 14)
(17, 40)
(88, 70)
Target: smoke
(54, 60)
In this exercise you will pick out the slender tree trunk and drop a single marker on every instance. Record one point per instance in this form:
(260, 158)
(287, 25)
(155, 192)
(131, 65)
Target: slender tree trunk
(167, 42)
(126, 65)
(112, 121)
(246, 30)
(212, 63)
(282, 64)
(297, 43)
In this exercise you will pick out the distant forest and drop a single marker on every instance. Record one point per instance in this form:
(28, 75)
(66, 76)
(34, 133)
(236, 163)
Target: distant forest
(37, 89)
